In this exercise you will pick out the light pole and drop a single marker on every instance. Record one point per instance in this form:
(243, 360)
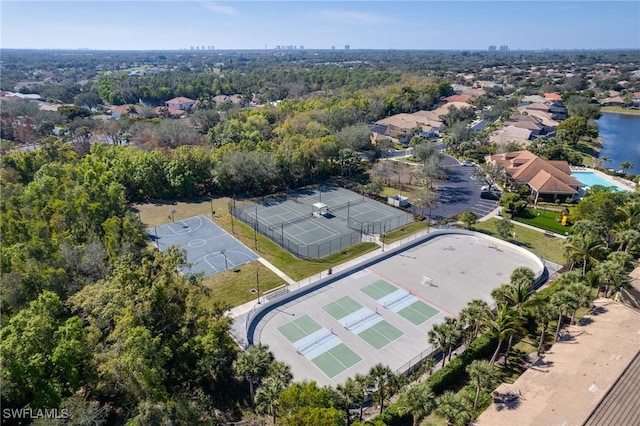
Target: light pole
(258, 285)
(224, 253)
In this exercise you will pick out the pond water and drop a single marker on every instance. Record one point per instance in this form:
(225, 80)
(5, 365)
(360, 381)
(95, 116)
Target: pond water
(620, 135)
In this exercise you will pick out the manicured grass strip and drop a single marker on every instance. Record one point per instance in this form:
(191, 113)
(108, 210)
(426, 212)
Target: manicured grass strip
(404, 232)
(238, 285)
(533, 240)
(547, 220)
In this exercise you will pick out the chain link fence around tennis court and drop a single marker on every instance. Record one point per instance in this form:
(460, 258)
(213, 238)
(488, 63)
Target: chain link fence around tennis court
(275, 232)
(307, 251)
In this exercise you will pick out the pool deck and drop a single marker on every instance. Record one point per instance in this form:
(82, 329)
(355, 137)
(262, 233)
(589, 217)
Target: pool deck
(624, 184)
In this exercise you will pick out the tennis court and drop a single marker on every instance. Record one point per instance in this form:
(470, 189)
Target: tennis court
(315, 223)
(382, 310)
(403, 303)
(210, 249)
(368, 325)
(319, 345)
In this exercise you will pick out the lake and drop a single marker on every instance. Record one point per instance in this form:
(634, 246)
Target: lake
(620, 135)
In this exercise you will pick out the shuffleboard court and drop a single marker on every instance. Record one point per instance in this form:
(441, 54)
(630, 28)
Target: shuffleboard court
(210, 249)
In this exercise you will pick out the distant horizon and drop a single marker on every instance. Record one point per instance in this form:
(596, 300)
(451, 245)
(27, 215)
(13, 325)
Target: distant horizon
(427, 25)
(83, 49)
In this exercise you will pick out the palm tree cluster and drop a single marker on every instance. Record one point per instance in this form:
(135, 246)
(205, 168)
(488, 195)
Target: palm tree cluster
(269, 379)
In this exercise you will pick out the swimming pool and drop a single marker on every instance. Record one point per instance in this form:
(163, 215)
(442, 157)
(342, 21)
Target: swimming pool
(590, 179)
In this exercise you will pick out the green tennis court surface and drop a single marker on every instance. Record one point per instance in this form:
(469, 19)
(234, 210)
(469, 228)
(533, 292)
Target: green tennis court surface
(378, 289)
(328, 353)
(418, 312)
(299, 328)
(342, 307)
(336, 360)
(380, 334)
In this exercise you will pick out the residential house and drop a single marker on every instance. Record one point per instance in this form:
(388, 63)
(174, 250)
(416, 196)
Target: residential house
(120, 110)
(507, 134)
(530, 122)
(547, 179)
(180, 103)
(399, 125)
(613, 101)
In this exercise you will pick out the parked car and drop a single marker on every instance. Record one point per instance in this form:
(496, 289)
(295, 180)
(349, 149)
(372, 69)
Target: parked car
(489, 195)
(467, 163)
(489, 188)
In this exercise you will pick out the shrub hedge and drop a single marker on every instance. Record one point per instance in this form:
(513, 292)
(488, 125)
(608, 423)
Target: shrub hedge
(454, 371)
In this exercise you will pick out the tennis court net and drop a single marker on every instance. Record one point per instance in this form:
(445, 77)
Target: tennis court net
(319, 341)
(365, 318)
(397, 301)
(288, 222)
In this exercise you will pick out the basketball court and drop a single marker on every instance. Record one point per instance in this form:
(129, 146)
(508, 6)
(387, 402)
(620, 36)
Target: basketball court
(209, 248)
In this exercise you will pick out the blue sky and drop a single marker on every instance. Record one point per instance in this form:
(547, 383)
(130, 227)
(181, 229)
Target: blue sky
(164, 24)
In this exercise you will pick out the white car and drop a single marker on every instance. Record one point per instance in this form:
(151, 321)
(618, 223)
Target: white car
(467, 163)
(489, 188)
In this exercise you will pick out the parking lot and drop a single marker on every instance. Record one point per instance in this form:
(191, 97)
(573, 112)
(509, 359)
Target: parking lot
(460, 193)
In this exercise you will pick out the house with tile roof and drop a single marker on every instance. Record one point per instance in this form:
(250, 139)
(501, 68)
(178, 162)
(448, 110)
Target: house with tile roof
(547, 179)
(180, 103)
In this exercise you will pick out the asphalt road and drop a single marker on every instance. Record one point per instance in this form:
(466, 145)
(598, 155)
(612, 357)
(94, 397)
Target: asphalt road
(460, 193)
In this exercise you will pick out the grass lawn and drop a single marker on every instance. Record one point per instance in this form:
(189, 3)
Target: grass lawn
(550, 248)
(240, 285)
(542, 218)
(158, 213)
(403, 232)
(620, 110)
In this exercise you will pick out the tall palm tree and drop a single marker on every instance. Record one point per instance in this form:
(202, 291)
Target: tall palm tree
(630, 215)
(582, 294)
(453, 408)
(280, 371)
(625, 165)
(564, 301)
(482, 374)
(363, 385)
(253, 364)
(628, 238)
(444, 336)
(347, 395)
(267, 395)
(501, 324)
(418, 400)
(582, 249)
(471, 318)
(545, 312)
(612, 275)
(385, 383)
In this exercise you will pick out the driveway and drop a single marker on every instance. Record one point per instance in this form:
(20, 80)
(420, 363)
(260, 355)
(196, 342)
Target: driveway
(460, 193)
